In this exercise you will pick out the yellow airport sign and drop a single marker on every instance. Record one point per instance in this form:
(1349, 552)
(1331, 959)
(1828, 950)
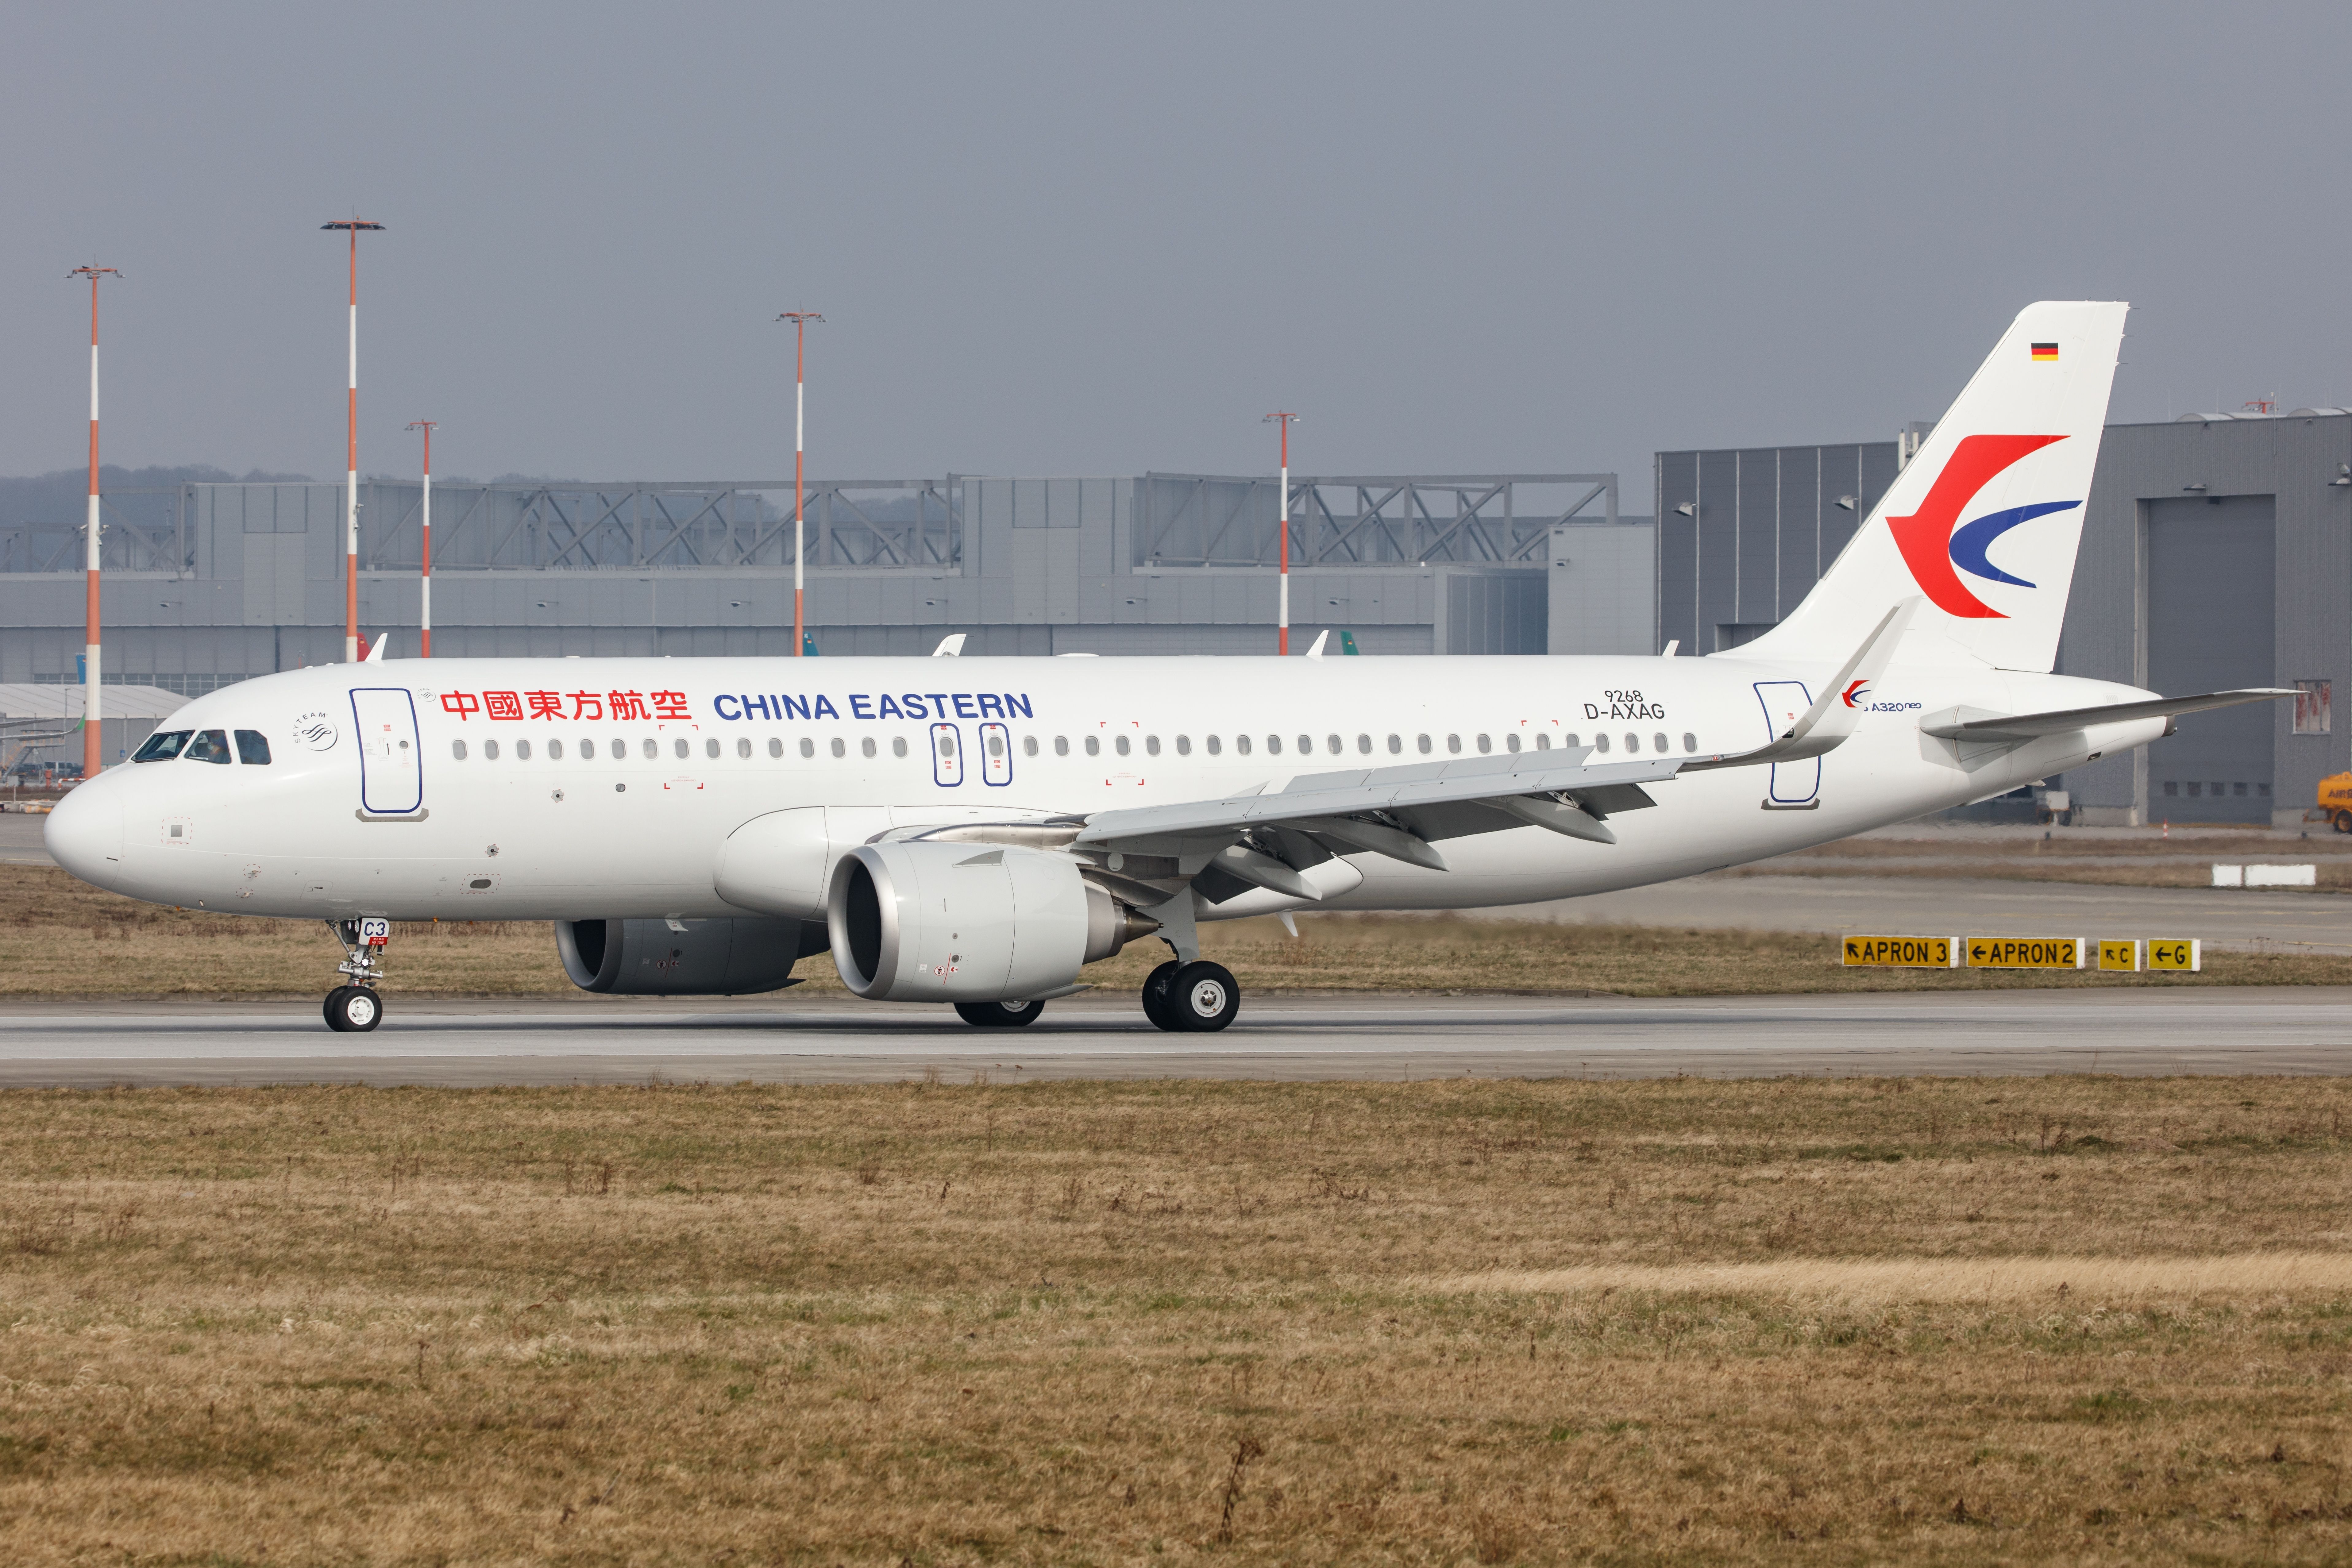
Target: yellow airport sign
(2119, 955)
(2025, 952)
(2176, 954)
(1903, 951)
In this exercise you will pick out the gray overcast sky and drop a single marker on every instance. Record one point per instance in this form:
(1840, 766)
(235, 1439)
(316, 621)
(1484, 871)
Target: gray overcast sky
(1097, 239)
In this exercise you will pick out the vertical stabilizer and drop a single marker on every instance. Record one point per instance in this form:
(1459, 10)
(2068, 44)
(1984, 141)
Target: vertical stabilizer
(1981, 525)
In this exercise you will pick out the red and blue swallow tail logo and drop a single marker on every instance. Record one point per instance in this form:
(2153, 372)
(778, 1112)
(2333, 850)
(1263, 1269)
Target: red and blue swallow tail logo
(1854, 692)
(1932, 550)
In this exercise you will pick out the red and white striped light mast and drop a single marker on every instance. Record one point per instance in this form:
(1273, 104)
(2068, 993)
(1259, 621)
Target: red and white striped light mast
(799, 321)
(93, 740)
(354, 225)
(1282, 636)
(425, 576)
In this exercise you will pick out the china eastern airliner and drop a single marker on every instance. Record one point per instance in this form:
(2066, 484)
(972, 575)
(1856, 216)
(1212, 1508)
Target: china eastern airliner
(977, 831)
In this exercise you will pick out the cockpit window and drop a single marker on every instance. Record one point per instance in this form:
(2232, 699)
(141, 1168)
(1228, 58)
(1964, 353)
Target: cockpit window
(209, 746)
(162, 746)
(253, 748)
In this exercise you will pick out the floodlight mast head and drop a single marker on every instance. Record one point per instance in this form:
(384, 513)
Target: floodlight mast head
(799, 321)
(354, 226)
(1282, 631)
(93, 750)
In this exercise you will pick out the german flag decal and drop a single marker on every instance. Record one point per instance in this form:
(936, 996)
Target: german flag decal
(2045, 354)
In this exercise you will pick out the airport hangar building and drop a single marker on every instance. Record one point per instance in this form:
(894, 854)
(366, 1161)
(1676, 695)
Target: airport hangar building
(2217, 553)
(209, 583)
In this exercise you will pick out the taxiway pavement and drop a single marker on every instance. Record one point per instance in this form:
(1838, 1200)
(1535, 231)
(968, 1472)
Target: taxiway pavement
(2153, 1031)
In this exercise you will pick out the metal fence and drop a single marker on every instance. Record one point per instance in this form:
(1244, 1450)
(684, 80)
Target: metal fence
(1199, 519)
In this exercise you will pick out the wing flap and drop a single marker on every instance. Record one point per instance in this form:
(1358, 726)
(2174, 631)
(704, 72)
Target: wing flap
(1390, 789)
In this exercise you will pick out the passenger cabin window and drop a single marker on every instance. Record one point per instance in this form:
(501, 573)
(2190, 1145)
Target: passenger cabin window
(678, 746)
(209, 746)
(808, 747)
(839, 750)
(555, 750)
(1274, 745)
(1060, 745)
(491, 750)
(898, 746)
(1184, 745)
(1242, 744)
(1215, 745)
(1690, 742)
(1028, 746)
(1570, 740)
(522, 750)
(162, 746)
(866, 746)
(743, 747)
(457, 750)
(1511, 741)
(1543, 742)
(1601, 743)
(1632, 741)
(1094, 746)
(1657, 743)
(1396, 743)
(775, 746)
(1454, 743)
(1330, 744)
(1119, 743)
(1484, 744)
(1152, 745)
(1364, 745)
(1423, 742)
(253, 748)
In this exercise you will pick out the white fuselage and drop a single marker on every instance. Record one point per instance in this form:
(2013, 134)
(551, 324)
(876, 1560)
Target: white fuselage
(626, 817)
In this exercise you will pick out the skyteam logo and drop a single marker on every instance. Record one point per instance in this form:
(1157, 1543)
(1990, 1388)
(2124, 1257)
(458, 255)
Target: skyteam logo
(1933, 550)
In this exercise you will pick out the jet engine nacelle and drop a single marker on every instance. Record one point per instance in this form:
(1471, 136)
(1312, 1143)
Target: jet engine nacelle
(708, 958)
(933, 921)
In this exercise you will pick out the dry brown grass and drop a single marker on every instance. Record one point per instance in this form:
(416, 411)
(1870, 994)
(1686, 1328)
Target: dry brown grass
(1145, 1322)
(62, 938)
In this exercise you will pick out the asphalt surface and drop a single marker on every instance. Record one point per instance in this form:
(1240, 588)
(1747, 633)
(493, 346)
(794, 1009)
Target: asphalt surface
(2155, 1031)
(20, 840)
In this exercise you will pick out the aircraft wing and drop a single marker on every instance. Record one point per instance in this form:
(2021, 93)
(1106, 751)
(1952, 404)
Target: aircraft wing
(1971, 724)
(1314, 798)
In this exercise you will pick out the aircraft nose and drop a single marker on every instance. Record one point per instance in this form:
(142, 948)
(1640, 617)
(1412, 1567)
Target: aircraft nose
(84, 833)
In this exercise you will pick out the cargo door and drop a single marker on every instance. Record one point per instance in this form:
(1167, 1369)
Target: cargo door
(1795, 786)
(391, 779)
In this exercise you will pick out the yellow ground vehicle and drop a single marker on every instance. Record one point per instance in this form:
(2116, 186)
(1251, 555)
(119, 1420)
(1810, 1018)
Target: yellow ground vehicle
(2335, 800)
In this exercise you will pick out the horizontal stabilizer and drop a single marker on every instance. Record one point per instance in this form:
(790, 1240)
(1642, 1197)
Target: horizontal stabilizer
(1971, 724)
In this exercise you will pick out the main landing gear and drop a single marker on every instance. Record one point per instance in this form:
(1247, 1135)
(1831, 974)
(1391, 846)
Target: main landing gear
(357, 1008)
(999, 1015)
(1198, 997)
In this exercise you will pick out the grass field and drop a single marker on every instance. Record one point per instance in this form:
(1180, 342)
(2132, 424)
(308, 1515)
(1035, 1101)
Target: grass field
(62, 938)
(2088, 1319)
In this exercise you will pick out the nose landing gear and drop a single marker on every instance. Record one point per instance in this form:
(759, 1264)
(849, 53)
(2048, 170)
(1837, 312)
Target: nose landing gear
(357, 1008)
(352, 1009)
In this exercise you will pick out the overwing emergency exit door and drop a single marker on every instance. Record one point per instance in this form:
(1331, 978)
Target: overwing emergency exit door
(391, 779)
(1795, 785)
